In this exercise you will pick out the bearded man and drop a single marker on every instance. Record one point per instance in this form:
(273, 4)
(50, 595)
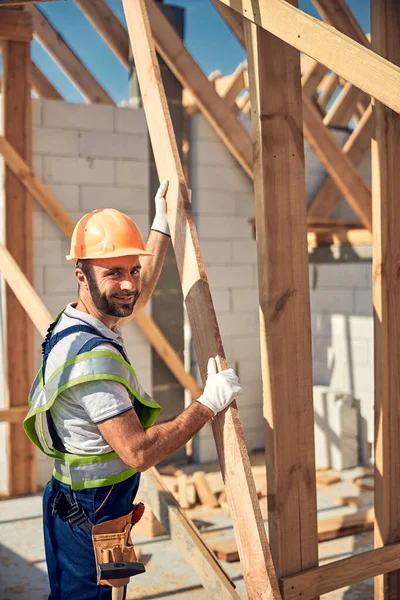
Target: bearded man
(89, 412)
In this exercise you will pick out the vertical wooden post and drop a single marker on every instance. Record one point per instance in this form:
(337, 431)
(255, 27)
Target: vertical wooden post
(280, 201)
(17, 126)
(385, 24)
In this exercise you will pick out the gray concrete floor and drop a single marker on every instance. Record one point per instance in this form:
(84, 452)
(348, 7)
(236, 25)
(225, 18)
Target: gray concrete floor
(23, 568)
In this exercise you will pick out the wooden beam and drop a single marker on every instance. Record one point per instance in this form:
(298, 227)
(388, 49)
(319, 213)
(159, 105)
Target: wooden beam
(182, 531)
(327, 88)
(386, 298)
(366, 70)
(42, 86)
(255, 556)
(341, 573)
(311, 79)
(285, 329)
(108, 27)
(15, 26)
(17, 2)
(72, 66)
(233, 20)
(355, 149)
(232, 85)
(185, 536)
(17, 126)
(337, 164)
(222, 118)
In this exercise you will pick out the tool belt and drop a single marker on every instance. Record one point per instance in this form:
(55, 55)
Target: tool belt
(113, 548)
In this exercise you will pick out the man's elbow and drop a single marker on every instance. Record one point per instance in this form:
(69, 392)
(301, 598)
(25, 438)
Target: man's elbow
(138, 460)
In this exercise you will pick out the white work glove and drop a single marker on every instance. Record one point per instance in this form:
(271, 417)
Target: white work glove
(160, 222)
(220, 389)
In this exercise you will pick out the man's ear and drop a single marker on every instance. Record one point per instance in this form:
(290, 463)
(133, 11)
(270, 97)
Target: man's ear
(81, 278)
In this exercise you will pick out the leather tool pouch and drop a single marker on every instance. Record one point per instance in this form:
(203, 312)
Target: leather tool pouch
(112, 544)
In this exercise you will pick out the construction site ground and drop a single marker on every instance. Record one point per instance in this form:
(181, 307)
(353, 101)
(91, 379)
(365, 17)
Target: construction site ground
(23, 568)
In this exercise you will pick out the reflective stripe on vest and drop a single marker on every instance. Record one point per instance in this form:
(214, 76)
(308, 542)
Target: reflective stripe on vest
(81, 471)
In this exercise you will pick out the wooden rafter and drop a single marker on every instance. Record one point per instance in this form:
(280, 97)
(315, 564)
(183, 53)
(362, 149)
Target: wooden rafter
(344, 106)
(233, 20)
(15, 26)
(337, 164)
(355, 148)
(338, 14)
(108, 27)
(182, 64)
(235, 465)
(367, 70)
(66, 58)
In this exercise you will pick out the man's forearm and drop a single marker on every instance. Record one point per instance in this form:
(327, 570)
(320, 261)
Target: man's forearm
(164, 439)
(152, 265)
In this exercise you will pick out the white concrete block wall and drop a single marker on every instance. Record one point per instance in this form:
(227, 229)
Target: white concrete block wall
(341, 301)
(89, 156)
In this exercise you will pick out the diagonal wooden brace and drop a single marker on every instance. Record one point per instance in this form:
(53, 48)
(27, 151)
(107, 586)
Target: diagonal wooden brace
(258, 570)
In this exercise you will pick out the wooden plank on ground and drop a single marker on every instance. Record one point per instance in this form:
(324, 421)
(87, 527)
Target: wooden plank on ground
(185, 536)
(255, 556)
(355, 149)
(366, 70)
(42, 86)
(15, 25)
(386, 298)
(72, 66)
(285, 328)
(19, 352)
(337, 164)
(108, 27)
(223, 119)
(341, 573)
(204, 491)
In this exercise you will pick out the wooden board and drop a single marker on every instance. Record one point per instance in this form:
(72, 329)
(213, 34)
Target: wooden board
(385, 25)
(338, 14)
(366, 70)
(225, 550)
(72, 66)
(337, 164)
(285, 328)
(17, 126)
(341, 573)
(344, 106)
(256, 560)
(185, 536)
(222, 118)
(204, 491)
(15, 26)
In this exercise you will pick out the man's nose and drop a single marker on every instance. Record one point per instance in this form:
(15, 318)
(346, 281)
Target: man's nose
(128, 285)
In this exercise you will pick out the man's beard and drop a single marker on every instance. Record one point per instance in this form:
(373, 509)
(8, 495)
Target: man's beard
(108, 305)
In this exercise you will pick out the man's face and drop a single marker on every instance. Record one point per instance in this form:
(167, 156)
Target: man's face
(115, 285)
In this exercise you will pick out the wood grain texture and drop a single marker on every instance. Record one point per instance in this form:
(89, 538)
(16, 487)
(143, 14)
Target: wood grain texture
(285, 328)
(366, 70)
(355, 148)
(66, 58)
(338, 14)
(338, 165)
(222, 118)
(17, 126)
(15, 26)
(385, 26)
(341, 573)
(186, 537)
(256, 561)
(108, 27)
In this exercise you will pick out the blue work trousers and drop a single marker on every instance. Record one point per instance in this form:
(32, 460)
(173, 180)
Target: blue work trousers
(69, 550)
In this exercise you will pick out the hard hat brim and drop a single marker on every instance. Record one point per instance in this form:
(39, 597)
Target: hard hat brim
(112, 254)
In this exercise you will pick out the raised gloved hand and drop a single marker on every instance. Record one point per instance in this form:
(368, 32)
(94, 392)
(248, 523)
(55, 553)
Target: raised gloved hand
(220, 389)
(160, 222)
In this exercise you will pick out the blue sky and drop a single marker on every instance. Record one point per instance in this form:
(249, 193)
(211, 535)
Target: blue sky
(206, 36)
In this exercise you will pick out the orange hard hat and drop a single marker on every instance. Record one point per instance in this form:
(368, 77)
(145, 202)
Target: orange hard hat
(106, 233)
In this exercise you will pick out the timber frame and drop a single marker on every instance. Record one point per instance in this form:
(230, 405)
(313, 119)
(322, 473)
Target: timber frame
(367, 90)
